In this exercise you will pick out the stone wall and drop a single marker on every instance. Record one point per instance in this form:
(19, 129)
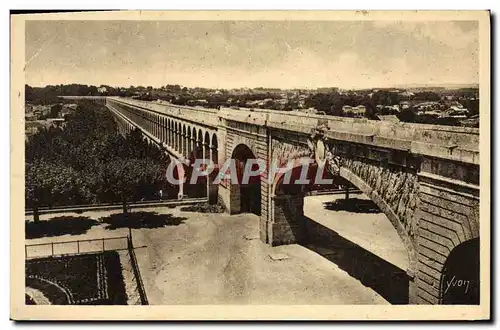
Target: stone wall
(288, 226)
(397, 187)
(447, 217)
(256, 139)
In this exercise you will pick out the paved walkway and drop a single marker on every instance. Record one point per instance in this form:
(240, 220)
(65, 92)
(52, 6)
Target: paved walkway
(372, 231)
(37, 296)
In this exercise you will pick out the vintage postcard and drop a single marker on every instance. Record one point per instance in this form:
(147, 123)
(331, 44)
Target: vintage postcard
(271, 165)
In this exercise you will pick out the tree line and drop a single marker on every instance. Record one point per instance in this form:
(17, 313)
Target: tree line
(87, 161)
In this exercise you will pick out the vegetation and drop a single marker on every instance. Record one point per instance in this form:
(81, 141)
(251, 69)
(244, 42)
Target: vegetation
(50, 94)
(83, 275)
(204, 208)
(329, 101)
(87, 161)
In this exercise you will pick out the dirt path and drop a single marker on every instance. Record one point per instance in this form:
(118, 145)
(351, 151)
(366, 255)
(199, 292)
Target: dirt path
(372, 231)
(211, 260)
(37, 296)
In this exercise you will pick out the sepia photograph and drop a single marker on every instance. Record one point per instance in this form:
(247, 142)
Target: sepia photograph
(250, 165)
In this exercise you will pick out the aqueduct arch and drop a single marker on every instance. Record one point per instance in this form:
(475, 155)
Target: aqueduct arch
(460, 275)
(245, 197)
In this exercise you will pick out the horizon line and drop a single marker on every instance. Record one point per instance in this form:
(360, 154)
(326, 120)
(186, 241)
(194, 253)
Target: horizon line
(396, 86)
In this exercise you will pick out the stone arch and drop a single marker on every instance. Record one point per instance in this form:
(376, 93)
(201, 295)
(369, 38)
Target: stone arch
(176, 136)
(206, 144)
(156, 123)
(169, 133)
(389, 213)
(183, 140)
(167, 130)
(460, 281)
(245, 196)
(199, 141)
(163, 129)
(178, 172)
(179, 136)
(448, 247)
(193, 141)
(214, 149)
(158, 127)
(289, 220)
(200, 137)
(189, 148)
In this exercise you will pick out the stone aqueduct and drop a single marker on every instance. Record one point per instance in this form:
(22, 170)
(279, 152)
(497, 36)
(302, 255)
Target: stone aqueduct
(425, 178)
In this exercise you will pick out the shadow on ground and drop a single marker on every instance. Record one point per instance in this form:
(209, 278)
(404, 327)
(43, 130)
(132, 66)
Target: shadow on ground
(58, 226)
(355, 205)
(388, 280)
(138, 220)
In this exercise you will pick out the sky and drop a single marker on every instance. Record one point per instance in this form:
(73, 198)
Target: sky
(235, 54)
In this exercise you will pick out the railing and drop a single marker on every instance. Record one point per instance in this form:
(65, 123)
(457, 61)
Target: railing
(74, 247)
(112, 206)
(199, 116)
(333, 191)
(137, 273)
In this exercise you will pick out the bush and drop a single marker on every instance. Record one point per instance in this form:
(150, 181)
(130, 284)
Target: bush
(204, 208)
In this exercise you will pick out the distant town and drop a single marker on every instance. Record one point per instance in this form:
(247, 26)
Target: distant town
(456, 106)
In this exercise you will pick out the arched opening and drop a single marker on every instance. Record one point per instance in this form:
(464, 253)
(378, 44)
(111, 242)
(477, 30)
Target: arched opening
(199, 144)
(183, 141)
(164, 130)
(247, 195)
(193, 141)
(206, 144)
(350, 230)
(188, 139)
(159, 128)
(460, 279)
(168, 132)
(157, 125)
(176, 136)
(172, 134)
(214, 148)
(177, 190)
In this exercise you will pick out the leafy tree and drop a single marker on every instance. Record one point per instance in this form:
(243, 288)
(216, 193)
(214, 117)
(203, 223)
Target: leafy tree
(82, 153)
(55, 110)
(53, 184)
(124, 179)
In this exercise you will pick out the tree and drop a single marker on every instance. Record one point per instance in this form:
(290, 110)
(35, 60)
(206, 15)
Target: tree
(55, 110)
(50, 184)
(407, 115)
(129, 178)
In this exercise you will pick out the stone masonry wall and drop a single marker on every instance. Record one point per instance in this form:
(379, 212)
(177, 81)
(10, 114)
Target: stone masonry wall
(397, 187)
